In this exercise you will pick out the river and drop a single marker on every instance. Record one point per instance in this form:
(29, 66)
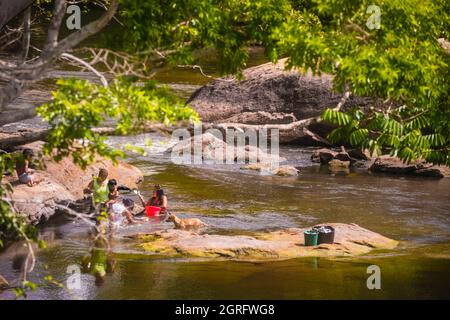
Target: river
(415, 211)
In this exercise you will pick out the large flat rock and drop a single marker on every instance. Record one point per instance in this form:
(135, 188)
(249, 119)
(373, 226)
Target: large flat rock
(350, 240)
(213, 149)
(268, 94)
(271, 95)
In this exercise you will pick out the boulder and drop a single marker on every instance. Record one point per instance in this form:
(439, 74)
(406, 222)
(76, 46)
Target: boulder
(344, 156)
(392, 165)
(24, 106)
(283, 171)
(288, 133)
(286, 171)
(323, 155)
(350, 240)
(387, 164)
(268, 88)
(215, 150)
(336, 166)
(433, 171)
(269, 94)
(359, 154)
(63, 182)
(262, 117)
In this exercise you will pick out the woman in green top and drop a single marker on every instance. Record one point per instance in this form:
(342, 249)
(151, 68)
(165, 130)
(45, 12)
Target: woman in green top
(98, 187)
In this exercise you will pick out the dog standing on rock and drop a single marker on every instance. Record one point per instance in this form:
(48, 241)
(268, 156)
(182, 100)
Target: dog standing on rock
(185, 223)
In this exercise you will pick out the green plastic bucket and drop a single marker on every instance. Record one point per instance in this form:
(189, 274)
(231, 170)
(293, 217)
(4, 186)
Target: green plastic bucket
(311, 237)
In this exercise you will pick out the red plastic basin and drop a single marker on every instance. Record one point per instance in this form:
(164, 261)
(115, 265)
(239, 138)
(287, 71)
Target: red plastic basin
(152, 211)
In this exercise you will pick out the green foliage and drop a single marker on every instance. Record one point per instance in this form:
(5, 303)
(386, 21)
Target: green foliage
(408, 139)
(181, 26)
(401, 63)
(79, 106)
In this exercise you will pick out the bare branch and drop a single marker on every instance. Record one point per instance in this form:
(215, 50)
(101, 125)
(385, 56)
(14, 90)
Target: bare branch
(119, 63)
(197, 67)
(92, 28)
(342, 101)
(353, 27)
(53, 30)
(26, 34)
(88, 66)
(29, 73)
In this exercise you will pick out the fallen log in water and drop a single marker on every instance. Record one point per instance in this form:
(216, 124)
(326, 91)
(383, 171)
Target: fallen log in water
(294, 132)
(9, 140)
(19, 133)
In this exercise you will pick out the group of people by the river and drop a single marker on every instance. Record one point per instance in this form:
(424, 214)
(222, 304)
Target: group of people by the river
(106, 196)
(104, 192)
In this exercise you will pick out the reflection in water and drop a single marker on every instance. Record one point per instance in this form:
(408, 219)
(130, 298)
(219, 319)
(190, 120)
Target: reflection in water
(100, 261)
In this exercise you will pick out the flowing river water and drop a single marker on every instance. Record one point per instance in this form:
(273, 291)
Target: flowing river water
(415, 211)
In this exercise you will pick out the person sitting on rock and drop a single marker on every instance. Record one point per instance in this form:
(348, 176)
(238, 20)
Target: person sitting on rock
(98, 187)
(24, 172)
(158, 199)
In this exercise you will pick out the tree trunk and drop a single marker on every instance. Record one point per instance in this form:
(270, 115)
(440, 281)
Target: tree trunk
(26, 34)
(10, 140)
(10, 92)
(53, 50)
(9, 9)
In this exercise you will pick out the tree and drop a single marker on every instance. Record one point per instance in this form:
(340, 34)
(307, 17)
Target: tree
(402, 61)
(10, 9)
(19, 74)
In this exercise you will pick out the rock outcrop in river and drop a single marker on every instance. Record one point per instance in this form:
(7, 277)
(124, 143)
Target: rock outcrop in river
(63, 182)
(391, 165)
(270, 95)
(209, 148)
(350, 240)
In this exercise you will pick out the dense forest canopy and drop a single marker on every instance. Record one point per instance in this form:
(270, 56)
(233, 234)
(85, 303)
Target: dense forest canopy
(390, 50)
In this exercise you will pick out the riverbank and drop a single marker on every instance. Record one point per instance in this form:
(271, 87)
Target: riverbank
(63, 183)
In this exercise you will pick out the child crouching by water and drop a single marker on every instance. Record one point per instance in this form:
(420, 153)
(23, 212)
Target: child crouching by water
(121, 213)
